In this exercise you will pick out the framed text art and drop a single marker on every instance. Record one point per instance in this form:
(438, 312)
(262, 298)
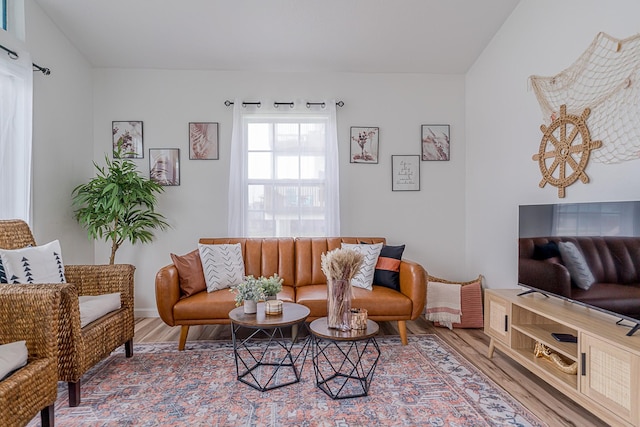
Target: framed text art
(203, 141)
(364, 144)
(127, 139)
(435, 142)
(405, 173)
(164, 166)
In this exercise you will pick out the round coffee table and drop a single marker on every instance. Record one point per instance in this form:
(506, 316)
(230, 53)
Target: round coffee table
(265, 360)
(344, 362)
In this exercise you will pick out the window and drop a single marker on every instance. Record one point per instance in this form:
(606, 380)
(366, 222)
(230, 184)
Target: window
(286, 183)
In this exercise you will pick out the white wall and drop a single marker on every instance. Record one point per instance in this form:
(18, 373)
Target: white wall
(541, 37)
(429, 221)
(62, 135)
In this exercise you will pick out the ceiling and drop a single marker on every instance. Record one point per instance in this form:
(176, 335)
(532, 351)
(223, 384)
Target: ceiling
(377, 36)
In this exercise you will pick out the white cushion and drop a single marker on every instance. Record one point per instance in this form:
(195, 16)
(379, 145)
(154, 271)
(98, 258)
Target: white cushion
(12, 356)
(577, 265)
(34, 264)
(364, 278)
(93, 307)
(223, 265)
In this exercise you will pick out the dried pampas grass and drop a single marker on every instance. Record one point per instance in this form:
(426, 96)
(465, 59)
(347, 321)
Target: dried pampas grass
(341, 264)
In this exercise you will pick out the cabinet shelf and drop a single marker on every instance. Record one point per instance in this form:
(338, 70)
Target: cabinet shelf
(542, 333)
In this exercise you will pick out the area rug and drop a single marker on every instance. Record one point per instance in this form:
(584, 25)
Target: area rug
(425, 383)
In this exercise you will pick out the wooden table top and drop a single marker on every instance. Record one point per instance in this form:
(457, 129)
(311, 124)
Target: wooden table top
(320, 329)
(292, 314)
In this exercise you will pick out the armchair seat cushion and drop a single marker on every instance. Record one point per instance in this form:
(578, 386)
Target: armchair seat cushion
(13, 356)
(93, 307)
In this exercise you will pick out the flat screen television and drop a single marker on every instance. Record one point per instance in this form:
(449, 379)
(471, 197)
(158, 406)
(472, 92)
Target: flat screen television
(540, 227)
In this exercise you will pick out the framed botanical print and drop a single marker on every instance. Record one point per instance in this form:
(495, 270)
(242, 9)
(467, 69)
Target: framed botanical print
(127, 139)
(435, 142)
(364, 144)
(203, 141)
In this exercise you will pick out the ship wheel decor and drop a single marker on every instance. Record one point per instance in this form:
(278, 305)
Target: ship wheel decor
(564, 150)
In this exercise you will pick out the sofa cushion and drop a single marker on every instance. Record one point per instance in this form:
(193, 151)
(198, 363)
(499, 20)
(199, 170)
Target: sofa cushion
(190, 272)
(576, 264)
(364, 278)
(387, 272)
(34, 264)
(546, 251)
(223, 265)
(12, 356)
(93, 307)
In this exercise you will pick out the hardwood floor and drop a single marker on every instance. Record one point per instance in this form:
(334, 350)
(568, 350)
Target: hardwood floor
(550, 406)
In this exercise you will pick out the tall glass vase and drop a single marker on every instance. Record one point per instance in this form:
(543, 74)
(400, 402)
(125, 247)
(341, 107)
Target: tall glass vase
(339, 304)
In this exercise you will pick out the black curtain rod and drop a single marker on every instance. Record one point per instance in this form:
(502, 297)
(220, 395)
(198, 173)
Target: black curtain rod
(14, 55)
(277, 104)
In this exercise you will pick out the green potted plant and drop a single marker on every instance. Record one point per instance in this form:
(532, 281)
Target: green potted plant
(249, 292)
(118, 204)
(271, 285)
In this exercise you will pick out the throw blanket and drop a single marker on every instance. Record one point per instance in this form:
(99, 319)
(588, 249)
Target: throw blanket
(443, 303)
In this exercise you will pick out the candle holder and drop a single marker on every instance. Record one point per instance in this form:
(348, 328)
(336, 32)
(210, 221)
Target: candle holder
(273, 306)
(358, 318)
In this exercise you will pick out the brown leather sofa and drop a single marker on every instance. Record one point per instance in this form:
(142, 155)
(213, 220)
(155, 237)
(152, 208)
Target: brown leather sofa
(613, 261)
(298, 262)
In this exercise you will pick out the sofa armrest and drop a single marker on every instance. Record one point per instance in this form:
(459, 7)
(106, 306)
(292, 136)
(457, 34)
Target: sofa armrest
(167, 292)
(546, 276)
(413, 284)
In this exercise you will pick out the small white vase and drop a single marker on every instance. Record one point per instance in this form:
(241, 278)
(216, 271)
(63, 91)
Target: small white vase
(250, 306)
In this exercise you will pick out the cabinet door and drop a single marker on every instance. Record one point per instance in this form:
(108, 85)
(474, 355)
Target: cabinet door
(610, 376)
(497, 319)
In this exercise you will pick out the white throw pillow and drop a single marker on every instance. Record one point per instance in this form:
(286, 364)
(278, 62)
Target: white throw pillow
(364, 278)
(223, 265)
(12, 356)
(577, 265)
(93, 307)
(34, 264)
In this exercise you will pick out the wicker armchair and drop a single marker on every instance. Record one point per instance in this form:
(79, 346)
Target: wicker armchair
(81, 348)
(30, 313)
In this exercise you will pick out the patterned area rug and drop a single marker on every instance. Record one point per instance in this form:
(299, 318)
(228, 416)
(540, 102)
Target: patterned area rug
(425, 383)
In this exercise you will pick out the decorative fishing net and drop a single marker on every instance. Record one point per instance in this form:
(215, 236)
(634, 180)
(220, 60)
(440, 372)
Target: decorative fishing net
(606, 79)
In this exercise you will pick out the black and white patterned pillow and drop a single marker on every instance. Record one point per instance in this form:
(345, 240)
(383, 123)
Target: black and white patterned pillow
(36, 264)
(223, 265)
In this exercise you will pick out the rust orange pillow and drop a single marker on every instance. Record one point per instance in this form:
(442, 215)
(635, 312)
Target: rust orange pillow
(190, 273)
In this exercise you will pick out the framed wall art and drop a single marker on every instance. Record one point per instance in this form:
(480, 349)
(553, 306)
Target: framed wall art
(405, 173)
(364, 145)
(164, 166)
(203, 141)
(435, 142)
(128, 136)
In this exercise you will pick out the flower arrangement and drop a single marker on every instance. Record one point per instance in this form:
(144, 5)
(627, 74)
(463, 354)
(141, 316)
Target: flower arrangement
(256, 289)
(340, 265)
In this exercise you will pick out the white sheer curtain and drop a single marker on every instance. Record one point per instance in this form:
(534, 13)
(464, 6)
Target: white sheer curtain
(16, 104)
(284, 174)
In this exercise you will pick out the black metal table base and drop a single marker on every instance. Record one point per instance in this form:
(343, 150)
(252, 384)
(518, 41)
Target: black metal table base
(344, 369)
(265, 359)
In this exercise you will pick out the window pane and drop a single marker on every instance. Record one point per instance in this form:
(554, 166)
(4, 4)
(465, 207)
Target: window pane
(312, 137)
(259, 136)
(286, 136)
(312, 167)
(256, 197)
(259, 165)
(287, 167)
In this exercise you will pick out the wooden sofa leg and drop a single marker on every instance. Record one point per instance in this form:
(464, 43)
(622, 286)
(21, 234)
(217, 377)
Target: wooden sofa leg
(402, 328)
(47, 416)
(184, 331)
(74, 393)
(128, 348)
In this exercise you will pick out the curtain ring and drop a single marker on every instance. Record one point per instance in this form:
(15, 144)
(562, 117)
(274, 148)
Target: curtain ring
(13, 55)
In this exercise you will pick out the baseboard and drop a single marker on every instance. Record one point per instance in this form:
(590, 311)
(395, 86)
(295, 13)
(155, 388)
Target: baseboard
(146, 312)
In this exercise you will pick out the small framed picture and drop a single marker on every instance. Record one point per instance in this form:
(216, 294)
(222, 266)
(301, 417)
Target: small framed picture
(164, 166)
(435, 142)
(364, 144)
(127, 139)
(405, 173)
(203, 141)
